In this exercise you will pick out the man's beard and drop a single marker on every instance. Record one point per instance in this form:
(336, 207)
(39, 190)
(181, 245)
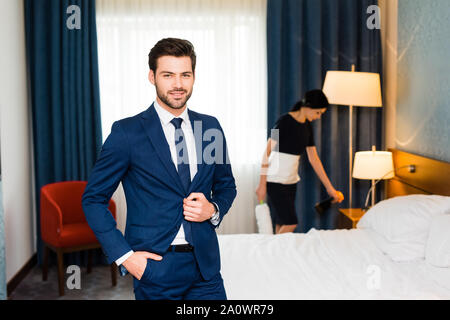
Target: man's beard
(174, 104)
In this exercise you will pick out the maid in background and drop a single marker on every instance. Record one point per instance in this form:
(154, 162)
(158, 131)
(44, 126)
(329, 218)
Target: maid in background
(279, 169)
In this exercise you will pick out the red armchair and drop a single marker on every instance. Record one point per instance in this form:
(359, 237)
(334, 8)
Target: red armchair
(64, 227)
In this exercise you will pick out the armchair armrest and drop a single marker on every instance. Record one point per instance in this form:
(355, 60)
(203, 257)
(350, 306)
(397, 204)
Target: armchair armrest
(51, 219)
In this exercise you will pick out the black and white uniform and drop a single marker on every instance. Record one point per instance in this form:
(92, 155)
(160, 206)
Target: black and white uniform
(282, 174)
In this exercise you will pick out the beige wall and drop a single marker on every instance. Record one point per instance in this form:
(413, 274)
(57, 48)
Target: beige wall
(389, 18)
(15, 140)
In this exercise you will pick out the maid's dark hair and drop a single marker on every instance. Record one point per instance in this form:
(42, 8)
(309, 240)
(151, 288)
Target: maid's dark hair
(314, 99)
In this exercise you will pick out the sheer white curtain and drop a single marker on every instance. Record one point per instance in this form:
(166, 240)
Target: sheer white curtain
(229, 37)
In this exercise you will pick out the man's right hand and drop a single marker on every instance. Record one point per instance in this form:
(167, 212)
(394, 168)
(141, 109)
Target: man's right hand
(137, 262)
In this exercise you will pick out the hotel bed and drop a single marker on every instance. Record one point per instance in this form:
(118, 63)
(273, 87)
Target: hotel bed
(399, 250)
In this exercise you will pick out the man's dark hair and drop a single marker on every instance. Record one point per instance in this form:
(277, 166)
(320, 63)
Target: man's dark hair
(171, 47)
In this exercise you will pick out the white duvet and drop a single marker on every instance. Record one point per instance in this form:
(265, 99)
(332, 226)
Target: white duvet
(338, 264)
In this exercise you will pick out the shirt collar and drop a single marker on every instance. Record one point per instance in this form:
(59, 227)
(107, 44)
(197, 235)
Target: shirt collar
(165, 116)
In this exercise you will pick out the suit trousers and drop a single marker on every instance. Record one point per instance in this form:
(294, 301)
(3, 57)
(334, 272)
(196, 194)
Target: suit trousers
(177, 277)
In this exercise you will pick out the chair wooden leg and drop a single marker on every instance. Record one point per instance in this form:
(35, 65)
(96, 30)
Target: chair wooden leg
(45, 263)
(89, 264)
(114, 274)
(60, 272)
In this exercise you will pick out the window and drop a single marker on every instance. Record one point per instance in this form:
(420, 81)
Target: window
(229, 37)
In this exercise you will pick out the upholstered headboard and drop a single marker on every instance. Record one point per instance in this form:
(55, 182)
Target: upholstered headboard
(430, 177)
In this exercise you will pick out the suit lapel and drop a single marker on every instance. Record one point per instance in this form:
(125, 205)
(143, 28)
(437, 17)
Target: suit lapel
(152, 126)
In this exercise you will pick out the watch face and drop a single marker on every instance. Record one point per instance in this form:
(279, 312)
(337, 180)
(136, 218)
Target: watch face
(216, 211)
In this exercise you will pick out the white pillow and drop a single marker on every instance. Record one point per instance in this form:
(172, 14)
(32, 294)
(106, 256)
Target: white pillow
(402, 224)
(438, 246)
(263, 219)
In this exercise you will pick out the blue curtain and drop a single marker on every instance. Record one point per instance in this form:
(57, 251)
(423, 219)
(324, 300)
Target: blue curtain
(305, 39)
(64, 89)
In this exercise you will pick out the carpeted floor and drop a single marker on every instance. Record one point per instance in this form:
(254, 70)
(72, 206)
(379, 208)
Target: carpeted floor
(94, 286)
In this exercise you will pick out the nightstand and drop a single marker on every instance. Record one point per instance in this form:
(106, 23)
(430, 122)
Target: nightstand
(354, 214)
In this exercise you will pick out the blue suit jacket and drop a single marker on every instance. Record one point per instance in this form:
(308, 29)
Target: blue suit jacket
(136, 152)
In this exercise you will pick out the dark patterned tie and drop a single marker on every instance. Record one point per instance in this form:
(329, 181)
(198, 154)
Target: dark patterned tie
(183, 167)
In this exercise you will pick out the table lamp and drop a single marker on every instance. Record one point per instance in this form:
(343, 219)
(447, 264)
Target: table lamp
(373, 165)
(361, 89)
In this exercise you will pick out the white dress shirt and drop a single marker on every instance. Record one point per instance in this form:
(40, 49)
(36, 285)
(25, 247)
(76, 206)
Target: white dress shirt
(169, 132)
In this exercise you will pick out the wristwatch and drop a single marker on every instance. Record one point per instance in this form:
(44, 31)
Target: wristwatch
(215, 210)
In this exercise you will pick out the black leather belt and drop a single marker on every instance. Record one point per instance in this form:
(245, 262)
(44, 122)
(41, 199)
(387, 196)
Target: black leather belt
(181, 248)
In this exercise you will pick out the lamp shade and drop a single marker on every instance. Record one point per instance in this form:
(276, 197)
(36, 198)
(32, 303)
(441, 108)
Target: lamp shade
(373, 165)
(353, 88)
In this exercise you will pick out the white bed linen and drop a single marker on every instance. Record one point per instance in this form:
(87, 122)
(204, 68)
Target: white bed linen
(337, 264)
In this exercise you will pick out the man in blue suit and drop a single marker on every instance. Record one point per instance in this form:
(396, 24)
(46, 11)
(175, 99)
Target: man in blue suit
(177, 187)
